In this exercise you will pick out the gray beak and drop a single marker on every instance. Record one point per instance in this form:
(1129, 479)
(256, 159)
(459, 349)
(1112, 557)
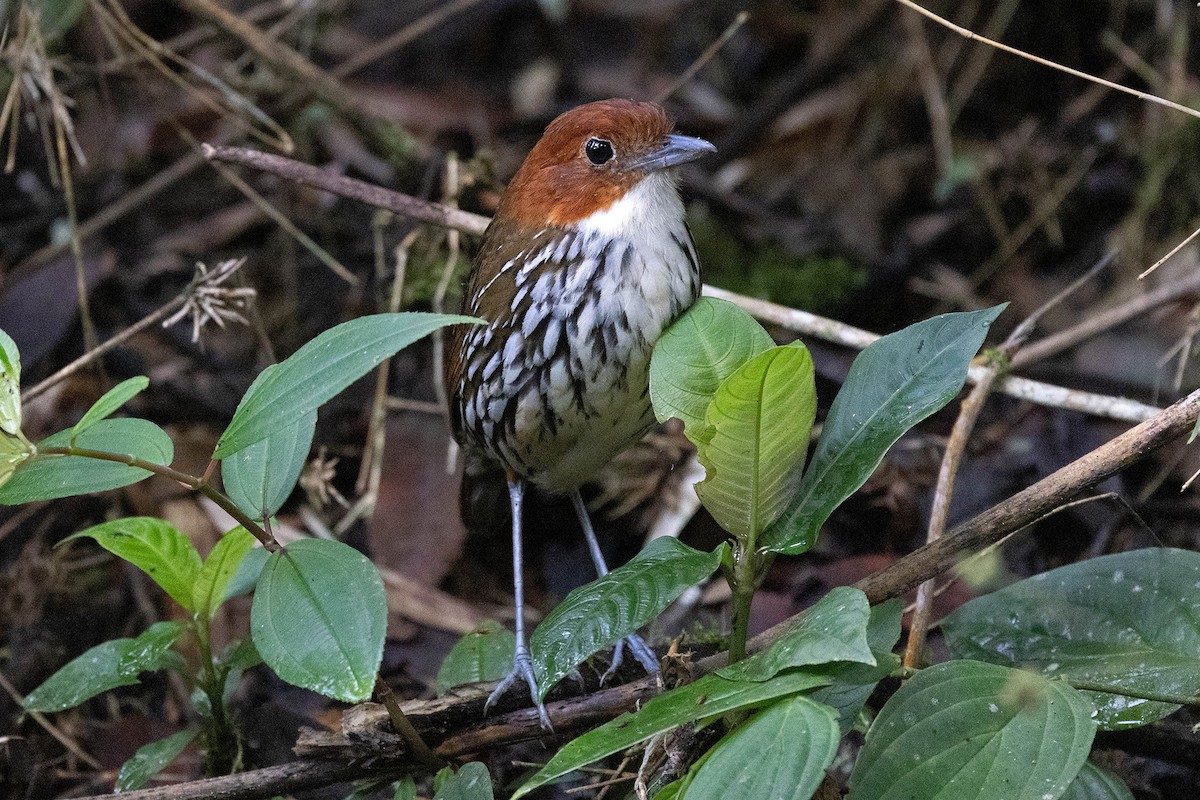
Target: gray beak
(673, 151)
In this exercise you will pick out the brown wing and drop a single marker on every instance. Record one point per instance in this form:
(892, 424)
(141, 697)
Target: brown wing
(489, 295)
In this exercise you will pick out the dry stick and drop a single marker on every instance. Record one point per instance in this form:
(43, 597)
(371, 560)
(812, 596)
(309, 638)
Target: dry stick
(92, 355)
(402, 37)
(298, 171)
(1047, 63)
(1046, 206)
(960, 434)
(66, 741)
(934, 95)
(307, 73)
(1100, 321)
(790, 318)
(1174, 250)
(709, 53)
(281, 219)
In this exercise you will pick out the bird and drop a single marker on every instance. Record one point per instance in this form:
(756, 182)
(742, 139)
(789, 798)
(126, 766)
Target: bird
(587, 260)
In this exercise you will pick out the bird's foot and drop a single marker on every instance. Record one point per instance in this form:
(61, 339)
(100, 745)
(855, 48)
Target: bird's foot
(641, 651)
(522, 671)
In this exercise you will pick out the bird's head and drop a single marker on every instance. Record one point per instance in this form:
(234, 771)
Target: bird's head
(589, 158)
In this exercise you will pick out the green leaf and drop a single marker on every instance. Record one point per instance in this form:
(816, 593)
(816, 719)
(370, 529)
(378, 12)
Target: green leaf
(106, 666)
(853, 683)
(154, 546)
(51, 477)
(150, 759)
(319, 618)
(471, 782)
(113, 399)
(610, 608)
(894, 383)
(217, 575)
(966, 729)
(406, 789)
(834, 629)
(696, 354)
(706, 699)
(1094, 783)
(1130, 620)
(484, 654)
(10, 386)
(755, 439)
(781, 753)
(259, 478)
(322, 368)
(13, 451)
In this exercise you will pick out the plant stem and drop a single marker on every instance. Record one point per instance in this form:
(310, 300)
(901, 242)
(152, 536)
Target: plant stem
(403, 726)
(742, 581)
(194, 483)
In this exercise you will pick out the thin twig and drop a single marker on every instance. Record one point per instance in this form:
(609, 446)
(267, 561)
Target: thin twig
(91, 355)
(402, 37)
(1174, 250)
(40, 718)
(1046, 62)
(298, 171)
(1099, 321)
(709, 53)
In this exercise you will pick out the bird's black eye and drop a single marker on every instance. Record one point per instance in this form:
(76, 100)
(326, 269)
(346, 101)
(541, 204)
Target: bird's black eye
(598, 151)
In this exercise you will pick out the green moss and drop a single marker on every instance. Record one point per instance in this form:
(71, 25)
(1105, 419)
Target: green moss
(771, 273)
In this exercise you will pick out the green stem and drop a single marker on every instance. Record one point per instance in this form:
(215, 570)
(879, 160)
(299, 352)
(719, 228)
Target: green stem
(194, 483)
(742, 581)
(404, 726)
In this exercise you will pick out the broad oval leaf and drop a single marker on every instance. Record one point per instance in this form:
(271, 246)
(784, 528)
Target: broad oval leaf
(610, 608)
(10, 386)
(705, 699)
(49, 477)
(109, 402)
(484, 654)
(114, 663)
(894, 383)
(1130, 620)
(833, 629)
(320, 369)
(216, 577)
(152, 758)
(1094, 783)
(853, 683)
(780, 753)
(154, 546)
(755, 439)
(259, 478)
(319, 618)
(700, 350)
(471, 782)
(967, 729)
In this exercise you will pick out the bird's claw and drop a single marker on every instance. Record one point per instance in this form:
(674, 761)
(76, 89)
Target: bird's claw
(641, 651)
(522, 671)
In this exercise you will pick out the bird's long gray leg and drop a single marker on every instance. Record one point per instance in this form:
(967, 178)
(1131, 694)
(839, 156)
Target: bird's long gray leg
(522, 665)
(641, 651)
